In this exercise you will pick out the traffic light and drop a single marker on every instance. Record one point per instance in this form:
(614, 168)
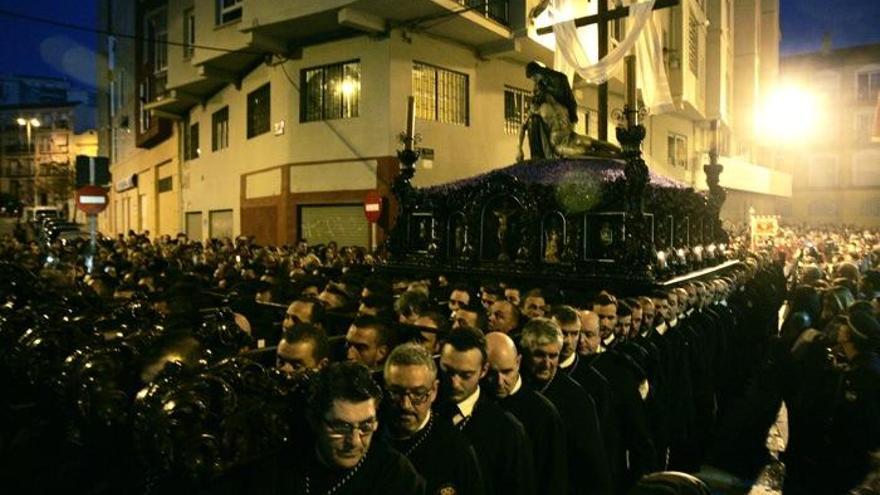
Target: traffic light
(102, 170)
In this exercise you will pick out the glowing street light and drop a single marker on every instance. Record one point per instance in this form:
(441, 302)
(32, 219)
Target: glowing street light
(28, 122)
(791, 114)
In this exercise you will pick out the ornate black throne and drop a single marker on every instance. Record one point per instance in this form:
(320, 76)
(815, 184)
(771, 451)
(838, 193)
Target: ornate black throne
(583, 224)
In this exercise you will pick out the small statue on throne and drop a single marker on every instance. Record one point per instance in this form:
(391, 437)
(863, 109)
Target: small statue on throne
(551, 117)
(551, 247)
(503, 217)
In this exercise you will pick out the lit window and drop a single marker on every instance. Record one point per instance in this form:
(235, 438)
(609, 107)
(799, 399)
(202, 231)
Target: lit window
(440, 94)
(330, 92)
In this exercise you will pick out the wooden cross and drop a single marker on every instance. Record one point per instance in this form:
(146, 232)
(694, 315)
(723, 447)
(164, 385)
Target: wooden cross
(602, 18)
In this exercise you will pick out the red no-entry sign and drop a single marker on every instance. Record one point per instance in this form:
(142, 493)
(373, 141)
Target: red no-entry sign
(91, 199)
(373, 206)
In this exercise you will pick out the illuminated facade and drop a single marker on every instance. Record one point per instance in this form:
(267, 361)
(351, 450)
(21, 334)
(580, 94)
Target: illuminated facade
(837, 174)
(275, 121)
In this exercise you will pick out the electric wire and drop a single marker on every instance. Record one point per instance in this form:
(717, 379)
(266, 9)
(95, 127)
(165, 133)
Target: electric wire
(107, 32)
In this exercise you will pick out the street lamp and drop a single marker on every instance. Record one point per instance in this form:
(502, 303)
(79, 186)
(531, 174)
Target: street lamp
(792, 115)
(29, 123)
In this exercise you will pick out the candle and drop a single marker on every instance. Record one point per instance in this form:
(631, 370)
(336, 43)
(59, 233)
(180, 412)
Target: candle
(410, 122)
(631, 102)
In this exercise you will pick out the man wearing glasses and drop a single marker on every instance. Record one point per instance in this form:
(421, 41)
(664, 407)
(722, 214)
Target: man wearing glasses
(440, 453)
(344, 459)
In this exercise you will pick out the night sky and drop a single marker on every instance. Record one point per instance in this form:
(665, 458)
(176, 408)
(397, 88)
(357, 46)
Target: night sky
(40, 49)
(31, 48)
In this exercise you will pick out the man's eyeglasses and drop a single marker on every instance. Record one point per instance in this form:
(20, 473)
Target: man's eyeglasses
(416, 396)
(337, 430)
(292, 317)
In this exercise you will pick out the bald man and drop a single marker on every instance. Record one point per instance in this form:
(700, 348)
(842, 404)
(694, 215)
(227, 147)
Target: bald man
(590, 342)
(537, 414)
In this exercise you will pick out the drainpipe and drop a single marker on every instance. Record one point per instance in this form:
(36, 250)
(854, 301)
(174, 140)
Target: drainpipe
(181, 126)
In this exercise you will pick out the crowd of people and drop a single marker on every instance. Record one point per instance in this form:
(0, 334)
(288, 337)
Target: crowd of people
(442, 386)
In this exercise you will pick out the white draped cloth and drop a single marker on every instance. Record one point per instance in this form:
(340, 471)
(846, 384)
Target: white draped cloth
(642, 36)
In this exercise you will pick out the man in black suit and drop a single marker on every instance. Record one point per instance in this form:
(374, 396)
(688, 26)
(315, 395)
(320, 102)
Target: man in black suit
(346, 457)
(537, 414)
(571, 364)
(438, 450)
(499, 439)
(588, 471)
(631, 452)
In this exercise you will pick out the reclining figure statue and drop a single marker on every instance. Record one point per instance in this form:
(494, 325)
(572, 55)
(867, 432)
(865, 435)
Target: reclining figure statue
(551, 118)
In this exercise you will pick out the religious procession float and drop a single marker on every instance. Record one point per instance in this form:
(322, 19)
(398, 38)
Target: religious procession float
(581, 214)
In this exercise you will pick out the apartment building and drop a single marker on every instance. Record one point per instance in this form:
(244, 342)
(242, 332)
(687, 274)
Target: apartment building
(37, 150)
(42, 129)
(275, 120)
(837, 175)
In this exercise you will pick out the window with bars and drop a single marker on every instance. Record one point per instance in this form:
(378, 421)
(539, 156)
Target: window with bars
(220, 129)
(516, 107)
(192, 149)
(189, 33)
(868, 85)
(440, 94)
(694, 46)
(676, 150)
(258, 111)
(227, 11)
(330, 92)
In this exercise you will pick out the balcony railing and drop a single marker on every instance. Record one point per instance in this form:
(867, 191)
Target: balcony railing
(497, 10)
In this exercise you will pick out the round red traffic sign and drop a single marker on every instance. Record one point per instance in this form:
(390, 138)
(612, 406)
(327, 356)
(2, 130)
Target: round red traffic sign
(91, 199)
(373, 206)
